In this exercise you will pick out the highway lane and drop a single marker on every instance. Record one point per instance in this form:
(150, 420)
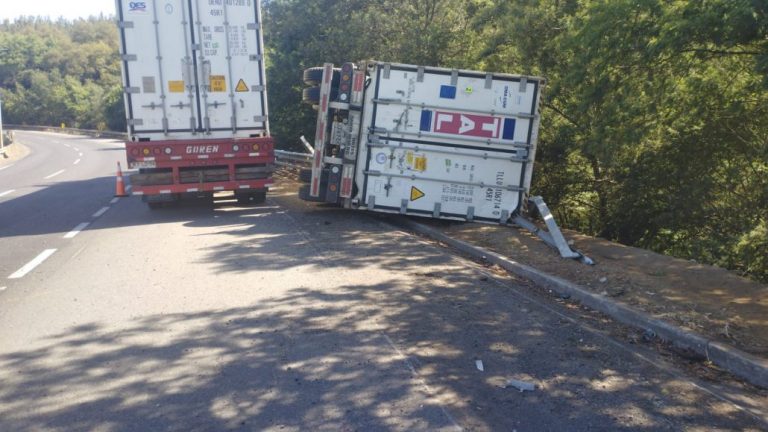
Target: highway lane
(293, 316)
(55, 190)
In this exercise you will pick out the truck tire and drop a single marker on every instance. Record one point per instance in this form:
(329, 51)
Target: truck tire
(311, 95)
(250, 198)
(304, 194)
(314, 76)
(259, 197)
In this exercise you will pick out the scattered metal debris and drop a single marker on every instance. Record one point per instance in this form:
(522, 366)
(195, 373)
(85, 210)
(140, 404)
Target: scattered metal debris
(520, 385)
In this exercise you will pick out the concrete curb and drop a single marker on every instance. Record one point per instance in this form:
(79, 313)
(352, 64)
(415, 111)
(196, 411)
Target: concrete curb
(746, 366)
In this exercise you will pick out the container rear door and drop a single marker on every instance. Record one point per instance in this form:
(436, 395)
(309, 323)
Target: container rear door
(193, 68)
(448, 144)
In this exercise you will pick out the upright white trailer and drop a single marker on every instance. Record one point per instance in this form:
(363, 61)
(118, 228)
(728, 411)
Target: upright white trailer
(195, 98)
(426, 141)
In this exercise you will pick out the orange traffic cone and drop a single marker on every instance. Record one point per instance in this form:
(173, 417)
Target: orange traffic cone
(120, 185)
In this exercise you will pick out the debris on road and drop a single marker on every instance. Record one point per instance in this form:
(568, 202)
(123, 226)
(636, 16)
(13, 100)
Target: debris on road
(479, 364)
(520, 385)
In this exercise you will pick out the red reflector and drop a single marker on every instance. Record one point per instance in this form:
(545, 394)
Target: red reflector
(135, 151)
(157, 150)
(332, 188)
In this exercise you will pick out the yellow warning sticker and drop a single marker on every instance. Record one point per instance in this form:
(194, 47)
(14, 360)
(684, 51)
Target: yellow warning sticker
(420, 163)
(218, 83)
(241, 86)
(176, 86)
(416, 162)
(416, 193)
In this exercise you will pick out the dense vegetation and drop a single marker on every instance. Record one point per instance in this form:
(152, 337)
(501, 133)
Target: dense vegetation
(61, 72)
(655, 122)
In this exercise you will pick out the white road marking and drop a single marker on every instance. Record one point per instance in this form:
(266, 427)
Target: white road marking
(76, 230)
(6, 167)
(80, 154)
(54, 174)
(76, 162)
(3, 288)
(20, 273)
(67, 145)
(76, 149)
(8, 192)
(114, 200)
(100, 212)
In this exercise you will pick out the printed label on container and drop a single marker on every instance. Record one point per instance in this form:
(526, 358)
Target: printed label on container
(176, 86)
(465, 124)
(218, 83)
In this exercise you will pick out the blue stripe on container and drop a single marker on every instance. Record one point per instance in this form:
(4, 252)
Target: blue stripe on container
(448, 92)
(509, 129)
(426, 120)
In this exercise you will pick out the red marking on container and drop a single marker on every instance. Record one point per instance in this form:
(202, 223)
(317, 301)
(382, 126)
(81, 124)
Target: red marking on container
(467, 124)
(328, 73)
(346, 187)
(357, 86)
(320, 131)
(315, 187)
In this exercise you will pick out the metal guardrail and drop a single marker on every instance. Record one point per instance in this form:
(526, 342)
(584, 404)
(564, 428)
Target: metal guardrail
(292, 159)
(282, 158)
(93, 133)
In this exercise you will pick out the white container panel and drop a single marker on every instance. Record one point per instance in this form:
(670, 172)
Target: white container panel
(231, 55)
(465, 107)
(193, 69)
(153, 60)
(464, 184)
(449, 144)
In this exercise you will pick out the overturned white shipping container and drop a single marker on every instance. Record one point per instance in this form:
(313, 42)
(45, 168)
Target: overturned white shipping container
(426, 141)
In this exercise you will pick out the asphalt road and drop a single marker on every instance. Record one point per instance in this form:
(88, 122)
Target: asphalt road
(291, 316)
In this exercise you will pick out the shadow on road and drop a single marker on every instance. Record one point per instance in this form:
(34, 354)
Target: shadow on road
(343, 358)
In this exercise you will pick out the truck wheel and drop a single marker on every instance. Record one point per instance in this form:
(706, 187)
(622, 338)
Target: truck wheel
(259, 197)
(311, 95)
(242, 199)
(304, 194)
(314, 76)
(305, 175)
